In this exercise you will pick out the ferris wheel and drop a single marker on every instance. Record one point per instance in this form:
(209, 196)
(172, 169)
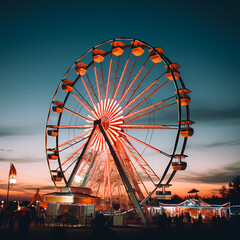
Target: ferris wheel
(119, 123)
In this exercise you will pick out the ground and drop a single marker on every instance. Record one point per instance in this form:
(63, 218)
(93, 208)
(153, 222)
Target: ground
(205, 231)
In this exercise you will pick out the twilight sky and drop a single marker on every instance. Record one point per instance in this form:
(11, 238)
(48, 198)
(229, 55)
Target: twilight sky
(40, 40)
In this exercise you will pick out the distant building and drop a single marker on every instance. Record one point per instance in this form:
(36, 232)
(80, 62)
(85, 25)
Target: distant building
(194, 207)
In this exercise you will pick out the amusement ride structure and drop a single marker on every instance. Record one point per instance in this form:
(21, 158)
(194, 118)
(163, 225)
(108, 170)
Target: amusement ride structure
(118, 124)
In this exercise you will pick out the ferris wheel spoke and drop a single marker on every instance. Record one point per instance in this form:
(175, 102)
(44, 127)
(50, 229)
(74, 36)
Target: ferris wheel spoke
(70, 127)
(148, 110)
(138, 176)
(145, 144)
(109, 76)
(122, 75)
(83, 101)
(128, 72)
(92, 156)
(117, 63)
(109, 180)
(117, 182)
(147, 170)
(131, 170)
(76, 114)
(73, 139)
(147, 126)
(100, 181)
(105, 178)
(139, 83)
(74, 153)
(97, 78)
(84, 165)
(75, 143)
(84, 81)
(133, 81)
(97, 164)
(146, 94)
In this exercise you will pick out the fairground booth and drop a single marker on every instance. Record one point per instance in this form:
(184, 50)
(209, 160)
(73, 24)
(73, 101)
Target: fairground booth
(194, 207)
(75, 204)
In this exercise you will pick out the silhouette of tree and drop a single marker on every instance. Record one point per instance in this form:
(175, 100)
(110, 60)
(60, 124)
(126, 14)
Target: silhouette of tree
(235, 185)
(223, 191)
(232, 193)
(176, 199)
(234, 190)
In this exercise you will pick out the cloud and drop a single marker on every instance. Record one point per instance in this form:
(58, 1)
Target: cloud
(201, 115)
(25, 188)
(6, 131)
(217, 144)
(21, 160)
(208, 114)
(31, 188)
(6, 150)
(214, 176)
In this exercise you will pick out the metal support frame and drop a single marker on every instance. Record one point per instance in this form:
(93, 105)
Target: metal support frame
(122, 173)
(79, 160)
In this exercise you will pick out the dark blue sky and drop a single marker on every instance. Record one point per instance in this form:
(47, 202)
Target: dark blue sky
(40, 40)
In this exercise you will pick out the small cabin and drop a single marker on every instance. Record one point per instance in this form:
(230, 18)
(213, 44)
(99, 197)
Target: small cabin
(81, 68)
(59, 107)
(163, 194)
(57, 175)
(53, 156)
(172, 72)
(154, 56)
(98, 55)
(68, 86)
(185, 130)
(53, 133)
(179, 164)
(166, 195)
(184, 97)
(137, 49)
(117, 49)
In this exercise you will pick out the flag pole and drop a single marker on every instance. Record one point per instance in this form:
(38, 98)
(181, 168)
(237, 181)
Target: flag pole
(8, 184)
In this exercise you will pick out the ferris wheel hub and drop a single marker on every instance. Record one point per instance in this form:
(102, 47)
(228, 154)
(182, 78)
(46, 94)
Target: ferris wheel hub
(105, 122)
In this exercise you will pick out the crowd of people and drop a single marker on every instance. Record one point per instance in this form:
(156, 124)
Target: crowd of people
(20, 220)
(165, 221)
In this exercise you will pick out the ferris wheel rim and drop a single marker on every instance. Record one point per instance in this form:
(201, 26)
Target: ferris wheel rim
(174, 81)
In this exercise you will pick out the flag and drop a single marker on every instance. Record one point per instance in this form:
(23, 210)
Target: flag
(12, 171)
(39, 198)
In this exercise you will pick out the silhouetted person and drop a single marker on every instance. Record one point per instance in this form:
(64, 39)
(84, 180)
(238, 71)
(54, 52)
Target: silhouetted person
(65, 219)
(214, 220)
(223, 221)
(42, 218)
(181, 219)
(11, 223)
(176, 221)
(169, 221)
(200, 218)
(23, 225)
(160, 222)
(36, 219)
(188, 217)
(100, 231)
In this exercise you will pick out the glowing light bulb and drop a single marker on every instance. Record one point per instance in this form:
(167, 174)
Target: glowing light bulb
(12, 180)
(78, 179)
